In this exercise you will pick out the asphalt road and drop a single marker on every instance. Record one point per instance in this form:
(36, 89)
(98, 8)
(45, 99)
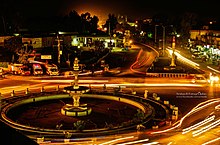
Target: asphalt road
(180, 92)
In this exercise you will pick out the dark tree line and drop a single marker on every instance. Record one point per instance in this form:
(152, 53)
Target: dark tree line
(73, 22)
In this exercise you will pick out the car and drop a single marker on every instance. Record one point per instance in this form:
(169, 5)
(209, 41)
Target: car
(199, 79)
(213, 78)
(196, 56)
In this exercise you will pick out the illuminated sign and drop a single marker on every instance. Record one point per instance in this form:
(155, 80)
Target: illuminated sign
(46, 56)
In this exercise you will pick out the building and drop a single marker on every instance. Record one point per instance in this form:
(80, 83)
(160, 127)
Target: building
(207, 42)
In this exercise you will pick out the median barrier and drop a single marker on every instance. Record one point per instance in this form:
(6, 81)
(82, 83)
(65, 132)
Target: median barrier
(168, 75)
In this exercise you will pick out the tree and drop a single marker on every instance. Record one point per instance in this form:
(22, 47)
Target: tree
(89, 24)
(14, 45)
(23, 55)
(86, 18)
(111, 23)
(74, 21)
(94, 24)
(188, 20)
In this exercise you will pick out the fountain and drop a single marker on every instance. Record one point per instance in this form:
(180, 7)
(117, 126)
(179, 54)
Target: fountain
(76, 109)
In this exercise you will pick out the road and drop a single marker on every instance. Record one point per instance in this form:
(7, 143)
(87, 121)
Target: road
(196, 103)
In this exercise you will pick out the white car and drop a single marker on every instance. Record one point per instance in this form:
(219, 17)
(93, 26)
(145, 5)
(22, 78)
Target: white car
(199, 79)
(213, 78)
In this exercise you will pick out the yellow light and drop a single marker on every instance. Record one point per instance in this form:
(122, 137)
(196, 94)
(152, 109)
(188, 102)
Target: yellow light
(16, 34)
(74, 42)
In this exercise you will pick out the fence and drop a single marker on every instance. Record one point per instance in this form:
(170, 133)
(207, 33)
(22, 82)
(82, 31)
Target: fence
(170, 75)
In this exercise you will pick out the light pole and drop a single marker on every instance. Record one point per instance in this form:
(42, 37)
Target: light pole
(164, 39)
(58, 45)
(155, 34)
(173, 53)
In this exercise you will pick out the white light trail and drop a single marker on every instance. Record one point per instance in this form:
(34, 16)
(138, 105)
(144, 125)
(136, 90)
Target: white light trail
(133, 142)
(213, 69)
(206, 128)
(115, 140)
(207, 120)
(179, 56)
(217, 107)
(194, 110)
(211, 141)
(151, 143)
(69, 81)
(127, 84)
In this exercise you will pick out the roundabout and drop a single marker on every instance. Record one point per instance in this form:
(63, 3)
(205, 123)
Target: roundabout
(60, 114)
(41, 115)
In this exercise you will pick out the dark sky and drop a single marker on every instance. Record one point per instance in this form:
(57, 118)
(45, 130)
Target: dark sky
(101, 8)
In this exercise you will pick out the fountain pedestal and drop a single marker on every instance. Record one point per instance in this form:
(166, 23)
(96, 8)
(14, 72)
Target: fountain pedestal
(75, 91)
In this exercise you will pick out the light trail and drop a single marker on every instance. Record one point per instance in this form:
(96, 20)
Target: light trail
(94, 83)
(206, 128)
(211, 141)
(152, 49)
(179, 56)
(151, 143)
(132, 66)
(127, 84)
(193, 127)
(80, 81)
(133, 142)
(115, 140)
(217, 107)
(213, 69)
(194, 110)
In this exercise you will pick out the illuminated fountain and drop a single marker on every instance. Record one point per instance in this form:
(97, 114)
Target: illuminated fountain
(76, 109)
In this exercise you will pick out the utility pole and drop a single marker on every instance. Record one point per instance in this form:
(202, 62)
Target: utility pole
(109, 33)
(155, 34)
(58, 48)
(109, 29)
(3, 22)
(164, 39)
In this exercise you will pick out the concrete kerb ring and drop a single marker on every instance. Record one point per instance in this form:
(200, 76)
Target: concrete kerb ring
(60, 132)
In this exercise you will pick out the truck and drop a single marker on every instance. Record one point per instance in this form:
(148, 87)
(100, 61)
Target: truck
(19, 69)
(37, 69)
(52, 69)
(46, 68)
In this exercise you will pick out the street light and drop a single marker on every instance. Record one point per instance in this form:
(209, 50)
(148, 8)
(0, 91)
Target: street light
(155, 38)
(58, 47)
(155, 33)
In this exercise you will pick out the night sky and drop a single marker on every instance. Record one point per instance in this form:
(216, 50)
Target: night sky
(134, 9)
